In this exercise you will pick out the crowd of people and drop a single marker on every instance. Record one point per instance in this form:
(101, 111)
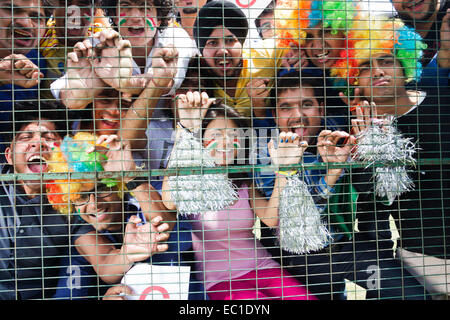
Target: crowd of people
(160, 132)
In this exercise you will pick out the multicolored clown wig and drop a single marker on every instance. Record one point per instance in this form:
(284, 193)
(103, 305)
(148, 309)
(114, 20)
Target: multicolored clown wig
(338, 15)
(293, 17)
(373, 35)
(72, 156)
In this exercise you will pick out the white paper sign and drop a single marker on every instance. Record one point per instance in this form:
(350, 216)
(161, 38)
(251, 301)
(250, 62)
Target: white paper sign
(154, 282)
(251, 8)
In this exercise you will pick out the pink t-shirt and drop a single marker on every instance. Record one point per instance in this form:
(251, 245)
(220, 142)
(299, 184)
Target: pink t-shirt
(225, 247)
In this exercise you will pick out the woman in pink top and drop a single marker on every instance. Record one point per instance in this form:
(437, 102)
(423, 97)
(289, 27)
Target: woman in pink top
(231, 262)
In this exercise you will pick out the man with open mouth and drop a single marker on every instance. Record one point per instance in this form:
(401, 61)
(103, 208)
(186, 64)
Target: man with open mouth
(298, 108)
(21, 26)
(30, 262)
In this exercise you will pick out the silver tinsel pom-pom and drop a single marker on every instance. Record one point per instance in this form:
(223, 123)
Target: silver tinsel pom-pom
(194, 194)
(384, 144)
(301, 229)
(391, 182)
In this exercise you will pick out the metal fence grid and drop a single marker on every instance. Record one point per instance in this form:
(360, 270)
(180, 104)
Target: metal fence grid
(195, 150)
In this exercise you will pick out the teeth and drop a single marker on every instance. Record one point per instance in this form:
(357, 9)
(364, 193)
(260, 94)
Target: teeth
(111, 120)
(298, 126)
(32, 158)
(322, 55)
(21, 32)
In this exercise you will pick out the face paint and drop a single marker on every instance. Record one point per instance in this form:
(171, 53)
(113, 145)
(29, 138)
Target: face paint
(212, 144)
(236, 143)
(151, 23)
(87, 17)
(123, 20)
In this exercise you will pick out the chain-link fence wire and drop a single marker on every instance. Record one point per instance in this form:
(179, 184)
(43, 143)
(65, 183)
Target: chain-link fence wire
(282, 150)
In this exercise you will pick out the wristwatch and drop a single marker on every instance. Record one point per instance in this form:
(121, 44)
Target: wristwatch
(136, 182)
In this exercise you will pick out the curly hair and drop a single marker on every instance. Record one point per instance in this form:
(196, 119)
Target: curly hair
(291, 18)
(374, 35)
(337, 14)
(72, 156)
(163, 10)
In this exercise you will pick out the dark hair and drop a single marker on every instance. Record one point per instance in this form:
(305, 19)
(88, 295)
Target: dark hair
(221, 110)
(294, 80)
(26, 112)
(163, 9)
(268, 10)
(216, 13)
(193, 69)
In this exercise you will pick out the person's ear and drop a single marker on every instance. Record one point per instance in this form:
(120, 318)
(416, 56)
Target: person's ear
(322, 109)
(8, 155)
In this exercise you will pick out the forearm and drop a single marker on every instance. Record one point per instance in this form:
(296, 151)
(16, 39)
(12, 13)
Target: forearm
(112, 266)
(152, 205)
(332, 177)
(135, 123)
(108, 262)
(270, 213)
(73, 96)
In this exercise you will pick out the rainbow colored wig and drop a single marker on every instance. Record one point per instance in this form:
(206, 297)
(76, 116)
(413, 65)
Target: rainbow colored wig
(337, 15)
(72, 156)
(374, 35)
(291, 18)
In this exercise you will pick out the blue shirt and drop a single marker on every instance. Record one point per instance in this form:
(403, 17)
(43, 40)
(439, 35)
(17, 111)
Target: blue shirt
(265, 178)
(433, 76)
(78, 280)
(10, 93)
(33, 239)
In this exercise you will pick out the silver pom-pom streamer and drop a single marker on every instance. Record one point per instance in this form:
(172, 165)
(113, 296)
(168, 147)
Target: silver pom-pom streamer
(194, 194)
(383, 144)
(391, 182)
(301, 229)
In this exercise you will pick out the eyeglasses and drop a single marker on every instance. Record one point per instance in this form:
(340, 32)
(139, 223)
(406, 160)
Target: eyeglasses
(265, 26)
(102, 191)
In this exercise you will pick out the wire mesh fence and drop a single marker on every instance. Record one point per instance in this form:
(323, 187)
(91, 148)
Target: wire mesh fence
(224, 150)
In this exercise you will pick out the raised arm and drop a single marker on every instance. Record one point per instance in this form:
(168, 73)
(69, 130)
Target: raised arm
(191, 109)
(113, 63)
(161, 75)
(120, 159)
(80, 85)
(140, 242)
(330, 151)
(289, 152)
(19, 70)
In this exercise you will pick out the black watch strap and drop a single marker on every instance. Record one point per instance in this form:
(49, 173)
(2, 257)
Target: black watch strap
(136, 182)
